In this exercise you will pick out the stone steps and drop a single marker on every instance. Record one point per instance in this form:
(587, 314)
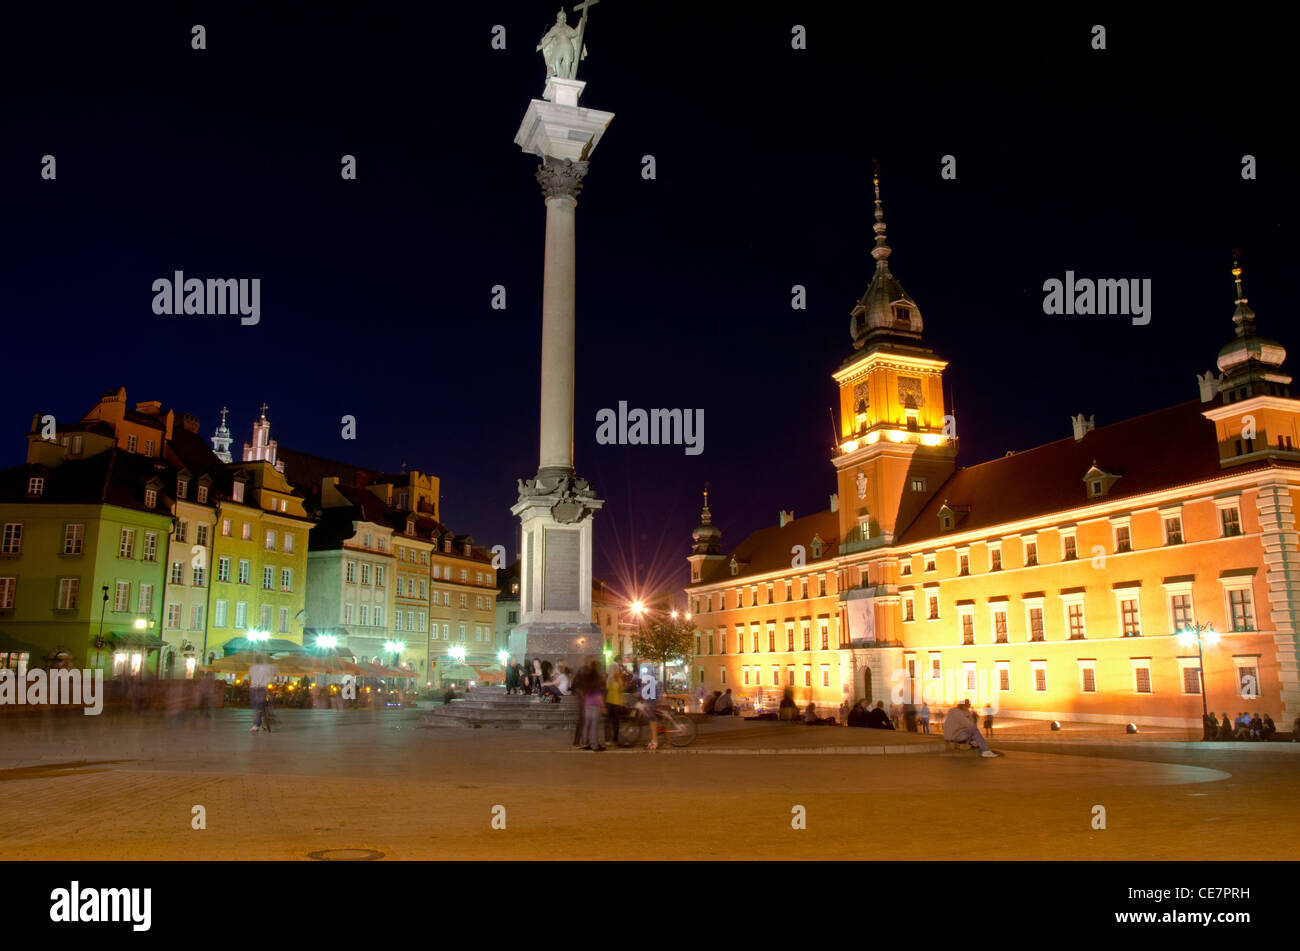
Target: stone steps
(505, 712)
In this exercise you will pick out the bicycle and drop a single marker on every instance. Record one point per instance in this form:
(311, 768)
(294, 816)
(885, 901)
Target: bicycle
(677, 728)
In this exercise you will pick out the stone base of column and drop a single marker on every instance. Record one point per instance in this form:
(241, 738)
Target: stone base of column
(570, 644)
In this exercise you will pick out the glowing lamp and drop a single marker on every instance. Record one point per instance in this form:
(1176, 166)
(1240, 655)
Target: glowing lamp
(327, 640)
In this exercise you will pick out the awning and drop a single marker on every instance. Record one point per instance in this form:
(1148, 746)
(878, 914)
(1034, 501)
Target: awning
(135, 639)
(274, 645)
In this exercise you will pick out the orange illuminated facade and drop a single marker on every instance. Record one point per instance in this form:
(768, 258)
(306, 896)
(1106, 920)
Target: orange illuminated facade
(1063, 582)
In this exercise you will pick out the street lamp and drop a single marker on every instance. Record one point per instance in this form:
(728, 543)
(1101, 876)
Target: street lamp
(1185, 637)
(102, 608)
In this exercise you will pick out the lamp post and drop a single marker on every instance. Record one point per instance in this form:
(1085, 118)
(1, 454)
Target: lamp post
(1185, 637)
(638, 608)
(102, 608)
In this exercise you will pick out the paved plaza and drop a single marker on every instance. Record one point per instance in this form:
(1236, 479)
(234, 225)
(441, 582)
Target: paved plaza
(123, 786)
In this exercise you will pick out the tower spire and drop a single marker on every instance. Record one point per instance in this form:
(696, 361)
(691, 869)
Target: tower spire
(1243, 316)
(881, 251)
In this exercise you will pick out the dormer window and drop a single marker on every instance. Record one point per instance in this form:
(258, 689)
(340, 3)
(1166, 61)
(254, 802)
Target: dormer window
(1094, 487)
(151, 498)
(902, 317)
(945, 521)
(1098, 481)
(35, 487)
(182, 488)
(816, 546)
(237, 491)
(410, 526)
(202, 493)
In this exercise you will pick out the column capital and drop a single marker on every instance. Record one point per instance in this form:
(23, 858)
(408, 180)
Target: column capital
(561, 178)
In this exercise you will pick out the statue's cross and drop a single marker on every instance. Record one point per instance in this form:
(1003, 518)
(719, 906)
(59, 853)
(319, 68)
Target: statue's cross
(582, 29)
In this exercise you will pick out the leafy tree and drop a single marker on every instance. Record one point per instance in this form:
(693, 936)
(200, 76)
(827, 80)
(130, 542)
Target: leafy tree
(663, 640)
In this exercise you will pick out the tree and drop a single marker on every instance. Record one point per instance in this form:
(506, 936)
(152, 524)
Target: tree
(663, 640)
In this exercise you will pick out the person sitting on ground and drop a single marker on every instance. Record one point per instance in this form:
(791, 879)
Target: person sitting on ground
(710, 702)
(959, 727)
(810, 714)
(557, 686)
(877, 719)
(1241, 726)
(725, 705)
(858, 715)
(1225, 728)
(450, 695)
(788, 709)
(1256, 727)
(1270, 728)
(1209, 727)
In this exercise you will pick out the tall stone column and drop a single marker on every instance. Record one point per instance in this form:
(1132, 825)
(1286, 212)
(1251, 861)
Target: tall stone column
(561, 182)
(556, 506)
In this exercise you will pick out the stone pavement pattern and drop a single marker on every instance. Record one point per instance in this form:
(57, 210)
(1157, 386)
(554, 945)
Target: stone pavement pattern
(123, 787)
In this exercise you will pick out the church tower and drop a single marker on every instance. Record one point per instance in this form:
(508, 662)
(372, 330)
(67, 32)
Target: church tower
(221, 438)
(896, 444)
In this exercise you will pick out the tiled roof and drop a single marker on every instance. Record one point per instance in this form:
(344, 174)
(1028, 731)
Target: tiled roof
(1158, 450)
(113, 477)
(769, 549)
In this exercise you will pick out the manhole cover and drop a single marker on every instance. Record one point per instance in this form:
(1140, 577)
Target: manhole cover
(345, 855)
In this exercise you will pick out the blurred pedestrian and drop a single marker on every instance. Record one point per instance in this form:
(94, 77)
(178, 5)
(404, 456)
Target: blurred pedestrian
(614, 702)
(260, 675)
(924, 718)
(592, 692)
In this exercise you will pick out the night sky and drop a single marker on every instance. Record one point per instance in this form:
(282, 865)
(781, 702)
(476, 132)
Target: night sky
(376, 292)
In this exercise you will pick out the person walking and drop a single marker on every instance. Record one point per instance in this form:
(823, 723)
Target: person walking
(593, 699)
(614, 709)
(260, 676)
(649, 706)
(988, 718)
(924, 718)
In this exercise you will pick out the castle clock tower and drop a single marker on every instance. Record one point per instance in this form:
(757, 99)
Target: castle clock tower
(896, 445)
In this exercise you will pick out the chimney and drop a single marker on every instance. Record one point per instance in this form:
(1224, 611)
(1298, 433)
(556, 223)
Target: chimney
(835, 501)
(149, 407)
(1208, 384)
(785, 518)
(1082, 425)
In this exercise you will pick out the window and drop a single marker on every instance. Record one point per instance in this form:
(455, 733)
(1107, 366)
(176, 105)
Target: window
(241, 615)
(69, 588)
(144, 603)
(173, 617)
(286, 579)
(771, 638)
(199, 577)
(246, 530)
(201, 535)
(148, 447)
(350, 572)
(918, 483)
(824, 628)
(929, 562)
(805, 628)
(1039, 670)
(1180, 610)
(909, 612)
(1004, 675)
(151, 498)
(1174, 530)
(1123, 539)
(934, 607)
(995, 558)
(935, 669)
(1069, 547)
(196, 618)
(35, 486)
(1031, 554)
(1087, 676)
(284, 621)
(76, 445)
(1074, 620)
(288, 542)
(268, 578)
(1141, 676)
(223, 568)
(906, 567)
(122, 596)
(131, 443)
(219, 610)
(1191, 680)
(203, 493)
(182, 488)
(1130, 618)
(126, 543)
(826, 675)
(1036, 622)
(1230, 519)
(999, 625)
(245, 571)
(270, 539)
(789, 636)
(1240, 607)
(967, 627)
(746, 675)
(73, 538)
(347, 613)
(225, 528)
(807, 676)
(972, 679)
(464, 600)
(365, 573)
(177, 575)
(266, 617)
(181, 530)
(963, 564)
(150, 546)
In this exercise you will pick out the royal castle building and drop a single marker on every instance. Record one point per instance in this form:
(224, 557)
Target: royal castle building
(1064, 582)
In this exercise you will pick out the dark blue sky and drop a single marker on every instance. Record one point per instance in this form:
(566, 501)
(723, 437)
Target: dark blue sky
(376, 293)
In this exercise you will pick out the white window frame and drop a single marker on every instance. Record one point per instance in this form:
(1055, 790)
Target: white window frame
(1221, 505)
(1241, 583)
(1034, 667)
(966, 611)
(1074, 597)
(1029, 625)
(1125, 522)
(1184, 663)
(1133, 593)
(1251, 661)
(970, 674)
(994, 547)
(998, 667)
(1172, 589)
(1168, 512)
(996, 607)
(1073, 535)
